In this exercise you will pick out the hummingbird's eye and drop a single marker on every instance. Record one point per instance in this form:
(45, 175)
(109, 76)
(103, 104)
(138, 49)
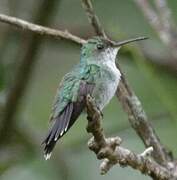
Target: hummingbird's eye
(100, 46)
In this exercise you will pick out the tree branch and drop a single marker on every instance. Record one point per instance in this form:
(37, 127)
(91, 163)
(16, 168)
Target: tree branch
(25, 68)
(132, 106)
(139, 121)
(41, 30)
(87, 5)
(162, 23)
(153, 19)
(112, 153)
(165, 14)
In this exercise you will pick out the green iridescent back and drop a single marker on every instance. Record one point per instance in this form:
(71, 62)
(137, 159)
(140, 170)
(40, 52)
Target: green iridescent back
(69, 87)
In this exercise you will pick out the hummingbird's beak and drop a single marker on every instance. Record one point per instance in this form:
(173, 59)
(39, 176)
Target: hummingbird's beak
(121, 43)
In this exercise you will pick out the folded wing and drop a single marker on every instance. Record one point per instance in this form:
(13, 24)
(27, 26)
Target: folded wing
(66, 118)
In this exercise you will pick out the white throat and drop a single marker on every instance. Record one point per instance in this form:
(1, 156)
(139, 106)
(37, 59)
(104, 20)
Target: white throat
(108, 54)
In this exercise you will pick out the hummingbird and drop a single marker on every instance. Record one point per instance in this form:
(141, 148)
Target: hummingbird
(96, 74)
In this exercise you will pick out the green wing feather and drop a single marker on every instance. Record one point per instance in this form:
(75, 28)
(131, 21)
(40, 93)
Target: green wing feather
(69, 103)
(69, 87)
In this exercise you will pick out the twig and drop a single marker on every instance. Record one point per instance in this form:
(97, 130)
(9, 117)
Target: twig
(153, 19)
(165, 14)
(25, 68)
(112, 153)
(41, 30)
(147, 152)
(161, 23)
(87, 5)
(139, 121)
(134, 109)
(23, 135)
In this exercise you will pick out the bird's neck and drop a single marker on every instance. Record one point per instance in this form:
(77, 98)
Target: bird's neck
(100, 61)
(105, 57)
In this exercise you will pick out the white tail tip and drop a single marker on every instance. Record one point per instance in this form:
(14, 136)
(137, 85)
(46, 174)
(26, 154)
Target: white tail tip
(61, 133)
(47, 156)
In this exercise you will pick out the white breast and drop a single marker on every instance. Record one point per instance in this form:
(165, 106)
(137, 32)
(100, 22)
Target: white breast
(107, 84)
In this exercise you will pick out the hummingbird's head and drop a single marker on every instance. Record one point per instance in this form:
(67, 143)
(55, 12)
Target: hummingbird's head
(102, 49)
(98, 49)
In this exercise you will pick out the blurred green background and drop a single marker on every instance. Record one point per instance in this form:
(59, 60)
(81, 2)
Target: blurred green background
(21, 156)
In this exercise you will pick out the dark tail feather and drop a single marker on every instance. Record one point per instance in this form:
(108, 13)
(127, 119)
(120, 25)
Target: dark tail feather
(61, 125)
(66, 119)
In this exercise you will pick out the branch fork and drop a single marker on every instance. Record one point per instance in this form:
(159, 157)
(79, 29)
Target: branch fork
(111, 151)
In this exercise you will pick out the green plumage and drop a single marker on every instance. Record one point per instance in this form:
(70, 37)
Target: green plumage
(69, 87)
